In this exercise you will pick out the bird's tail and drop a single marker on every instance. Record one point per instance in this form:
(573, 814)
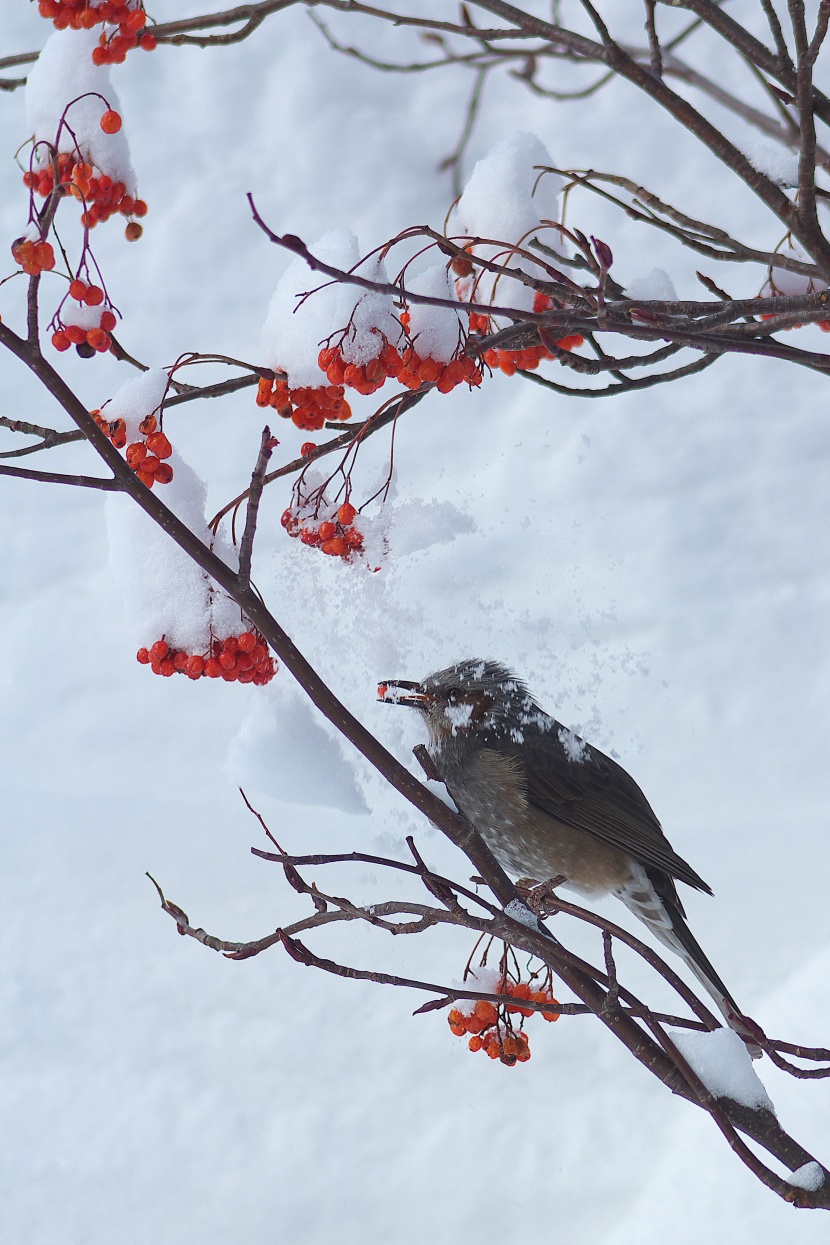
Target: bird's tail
(652, 897)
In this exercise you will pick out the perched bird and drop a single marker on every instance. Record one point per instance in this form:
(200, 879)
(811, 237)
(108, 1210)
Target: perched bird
(548, 804)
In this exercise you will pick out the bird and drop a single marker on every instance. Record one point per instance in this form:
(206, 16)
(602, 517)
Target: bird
(548, 804)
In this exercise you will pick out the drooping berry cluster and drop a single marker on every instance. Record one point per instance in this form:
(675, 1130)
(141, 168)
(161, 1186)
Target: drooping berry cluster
(335, 536)
(416, 371)
(115, 429)
(94, 337)
(367, 377)
(34, 257)
(101, 196)
(308, 408)
(490, 1026)
(528, 359)
(238, 659)
(129, 18)
(146, 457)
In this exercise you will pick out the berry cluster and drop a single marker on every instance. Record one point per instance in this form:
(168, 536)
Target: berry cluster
(101, 196)
(115, 429)
(366, 378)
(84, 14)
(489, 1024)
(416, 371)
(527, 360)
(336, 536)
(307, 407)
(96, 337)
(146, 457)
(33, 257)
(238, 659)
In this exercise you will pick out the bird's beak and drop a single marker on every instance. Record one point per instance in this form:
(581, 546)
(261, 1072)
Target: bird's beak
(403, 692)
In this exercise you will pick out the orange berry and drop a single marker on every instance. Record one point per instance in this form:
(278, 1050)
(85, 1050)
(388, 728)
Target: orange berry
(147, 425)
(212, 668)
(110, 122)
(346, 513)
(98, 339)
(246, 642)
(475, 1043)
(136, 453)
(140, 208)
(75, 334)
(486, 1011)
(108, 321)
(133, 231)
(327, 531)
(158, 444)
(93, 296)
(77, 290)
(195, 665)
(60, 341)
(163, 473)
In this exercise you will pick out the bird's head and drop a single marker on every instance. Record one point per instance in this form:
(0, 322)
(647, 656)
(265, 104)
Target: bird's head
(472, 695)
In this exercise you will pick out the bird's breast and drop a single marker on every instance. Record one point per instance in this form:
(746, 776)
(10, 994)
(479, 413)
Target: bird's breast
(490, 789)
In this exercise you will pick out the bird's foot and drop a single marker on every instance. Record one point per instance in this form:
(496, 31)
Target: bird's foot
(540, 897)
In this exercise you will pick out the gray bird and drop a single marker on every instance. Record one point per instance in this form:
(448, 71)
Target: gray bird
(546, 803)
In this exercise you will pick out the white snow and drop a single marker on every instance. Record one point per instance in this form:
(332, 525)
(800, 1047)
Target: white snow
(657, 286)
(810, 1176)
(573, 745)
(520, 912)
(436, 332)
(165, 593)
(295, 331)
(507, 195)
(282, 750)
(779, 163)
(724, 1065)
(64, 74)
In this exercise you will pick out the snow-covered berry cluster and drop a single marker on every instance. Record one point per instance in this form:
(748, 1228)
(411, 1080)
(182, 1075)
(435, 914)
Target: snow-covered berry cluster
(84, 322)
(237, 659)
(308, 407)
(146, 456)
(366, 378)
(334, 535)
(490, 1026)
(129, 20)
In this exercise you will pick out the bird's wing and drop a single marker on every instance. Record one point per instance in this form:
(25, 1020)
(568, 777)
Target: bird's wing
(581, 787)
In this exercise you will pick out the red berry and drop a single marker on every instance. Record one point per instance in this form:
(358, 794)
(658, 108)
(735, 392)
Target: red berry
(159, 650)
(163, 473)
(60, 341)
(110, 122)
(143, 656)
(77, 290)
(108, 321)
(346, 513)
(246, 643)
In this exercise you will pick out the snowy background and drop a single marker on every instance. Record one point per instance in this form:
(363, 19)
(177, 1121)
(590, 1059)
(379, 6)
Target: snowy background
(655, 566)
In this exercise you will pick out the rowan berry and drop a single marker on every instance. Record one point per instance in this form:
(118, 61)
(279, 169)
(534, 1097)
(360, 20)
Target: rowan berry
(110, 122)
